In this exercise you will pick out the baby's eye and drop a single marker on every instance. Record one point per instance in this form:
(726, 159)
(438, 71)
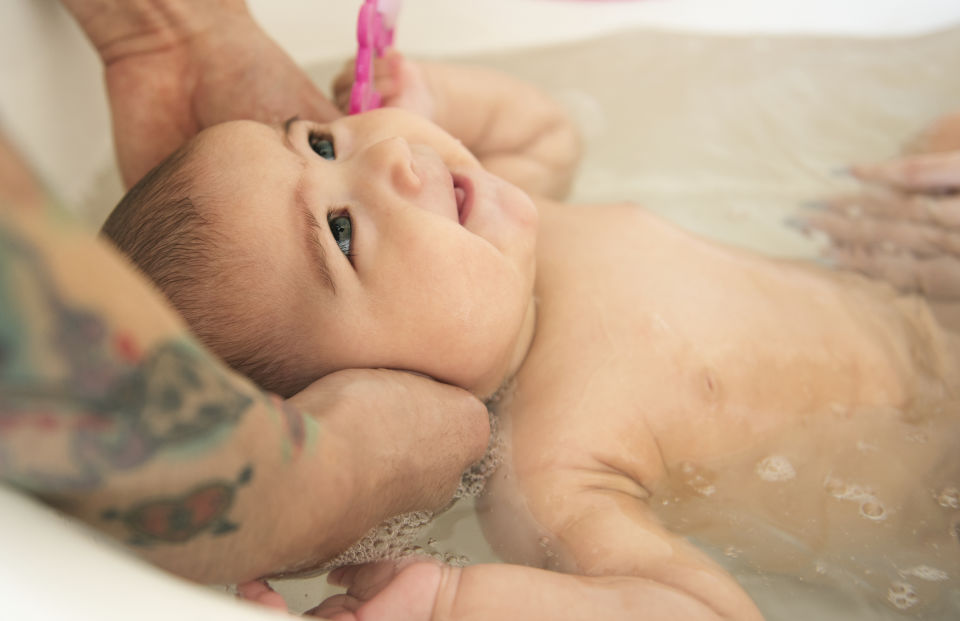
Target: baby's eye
(342, 229)
(322, 145)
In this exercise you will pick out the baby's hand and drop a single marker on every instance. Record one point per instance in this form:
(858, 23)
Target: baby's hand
(401, 83)
(404, 590)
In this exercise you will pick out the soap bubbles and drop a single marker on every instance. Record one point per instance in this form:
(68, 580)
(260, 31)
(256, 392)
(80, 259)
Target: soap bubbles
(775, 469)
(949, 498)
(871, 507)
(697, 479)
(902, 595)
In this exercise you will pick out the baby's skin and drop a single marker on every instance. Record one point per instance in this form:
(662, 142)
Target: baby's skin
(665, 366)
(652, 365)
(638, 378)
(666, 371)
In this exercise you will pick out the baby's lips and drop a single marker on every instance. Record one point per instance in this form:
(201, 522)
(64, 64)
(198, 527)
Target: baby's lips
(463, 193)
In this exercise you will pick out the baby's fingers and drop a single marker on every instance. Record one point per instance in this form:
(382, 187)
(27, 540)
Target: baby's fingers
(388, 74)
(933, 172)
(921, 239)
(937, 278)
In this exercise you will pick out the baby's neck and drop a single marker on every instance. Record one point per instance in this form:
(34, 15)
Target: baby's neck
(515, 360)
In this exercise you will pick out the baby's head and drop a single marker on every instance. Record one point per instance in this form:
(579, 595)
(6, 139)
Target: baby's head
(376, 240)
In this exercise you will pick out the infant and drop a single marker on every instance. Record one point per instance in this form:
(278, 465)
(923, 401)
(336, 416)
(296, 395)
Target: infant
(638, 370)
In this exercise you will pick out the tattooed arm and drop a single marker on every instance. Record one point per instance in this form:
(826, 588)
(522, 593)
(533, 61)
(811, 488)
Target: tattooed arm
(109, 411)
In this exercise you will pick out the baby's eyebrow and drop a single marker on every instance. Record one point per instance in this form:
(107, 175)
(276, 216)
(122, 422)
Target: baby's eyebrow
(315, 249)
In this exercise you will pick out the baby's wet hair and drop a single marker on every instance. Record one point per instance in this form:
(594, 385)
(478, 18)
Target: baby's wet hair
(170, 234)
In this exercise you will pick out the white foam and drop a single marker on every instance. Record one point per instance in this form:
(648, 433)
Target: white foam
(949, 498)
(775, 468)
(925, 572)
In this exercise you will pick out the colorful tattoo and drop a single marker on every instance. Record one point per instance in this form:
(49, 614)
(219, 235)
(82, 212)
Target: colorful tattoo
(180, 519)
(299, 427)
(88, 393)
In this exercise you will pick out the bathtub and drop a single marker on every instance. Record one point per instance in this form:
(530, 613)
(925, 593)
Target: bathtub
(792, 59)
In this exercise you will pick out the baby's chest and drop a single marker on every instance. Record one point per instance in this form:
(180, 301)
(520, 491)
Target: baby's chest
(697, 379)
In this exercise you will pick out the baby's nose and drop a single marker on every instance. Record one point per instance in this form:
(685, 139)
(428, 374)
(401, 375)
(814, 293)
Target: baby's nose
(394, 156)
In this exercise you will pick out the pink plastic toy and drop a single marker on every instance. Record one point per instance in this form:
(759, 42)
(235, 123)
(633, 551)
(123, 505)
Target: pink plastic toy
(374, 35)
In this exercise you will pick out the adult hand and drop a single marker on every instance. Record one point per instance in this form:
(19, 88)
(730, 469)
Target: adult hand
(407, 589)
(173, 68)
(408, 438)
(904, 226)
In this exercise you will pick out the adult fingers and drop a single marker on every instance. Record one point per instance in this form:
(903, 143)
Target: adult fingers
(337, 608)
(889, 204)
(937, 278)
(260, 592)
(930, 172)
(940, 136)
(885, 235)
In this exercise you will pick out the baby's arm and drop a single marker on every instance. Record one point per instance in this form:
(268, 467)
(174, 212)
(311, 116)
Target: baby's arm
(603, 528)
(618, 535)
(514, 129)
(110, 411)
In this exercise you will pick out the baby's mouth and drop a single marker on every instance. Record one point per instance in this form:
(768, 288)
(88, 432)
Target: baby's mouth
(463, 192)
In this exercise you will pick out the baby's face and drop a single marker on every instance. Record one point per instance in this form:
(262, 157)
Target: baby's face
(373, 241)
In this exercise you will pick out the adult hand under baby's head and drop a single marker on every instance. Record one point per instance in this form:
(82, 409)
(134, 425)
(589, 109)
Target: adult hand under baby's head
(418, 434)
